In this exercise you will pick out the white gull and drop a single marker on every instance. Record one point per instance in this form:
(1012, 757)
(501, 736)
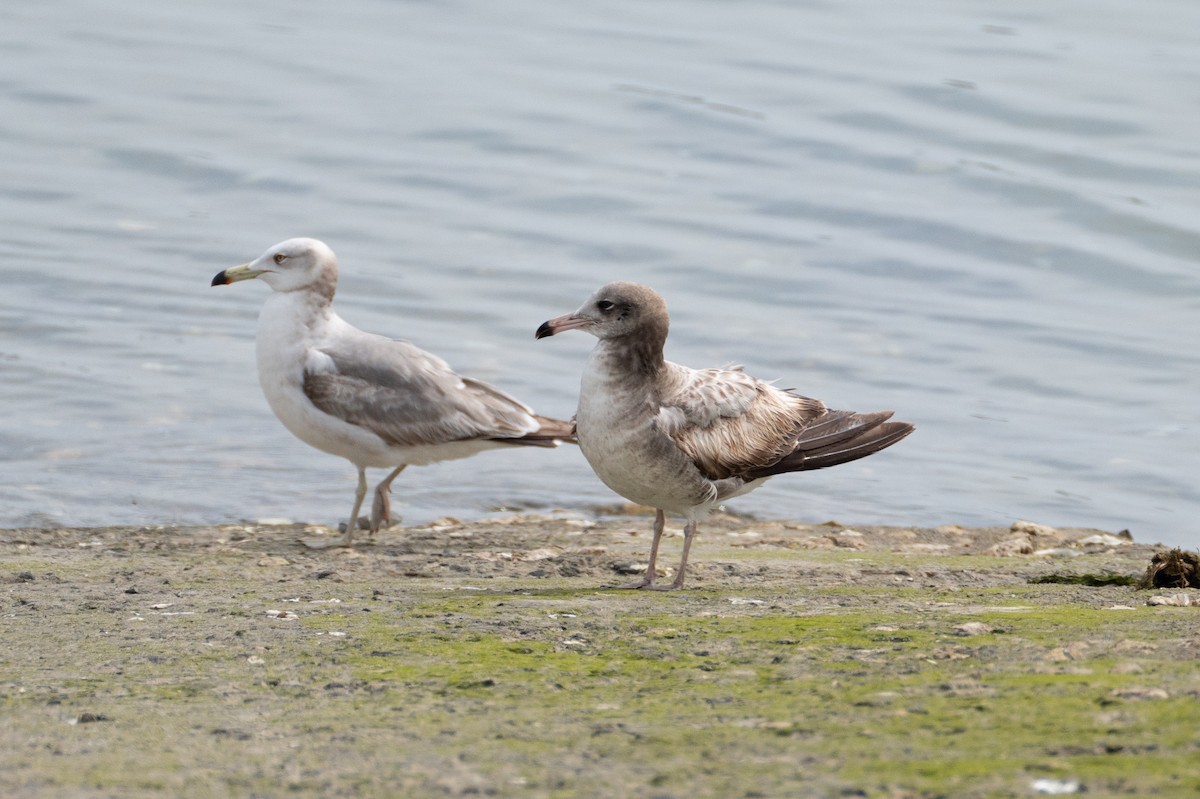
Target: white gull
(683, 440)
(374, 401)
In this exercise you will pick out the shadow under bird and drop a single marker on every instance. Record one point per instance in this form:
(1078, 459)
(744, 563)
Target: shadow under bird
(685, 440)
(375, 401)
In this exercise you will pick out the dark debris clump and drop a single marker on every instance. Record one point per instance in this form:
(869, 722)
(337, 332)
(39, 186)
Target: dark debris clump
(1173, 569)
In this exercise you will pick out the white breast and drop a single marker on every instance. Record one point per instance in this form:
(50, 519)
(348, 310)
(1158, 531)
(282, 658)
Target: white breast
(618, 436)
(289, 330)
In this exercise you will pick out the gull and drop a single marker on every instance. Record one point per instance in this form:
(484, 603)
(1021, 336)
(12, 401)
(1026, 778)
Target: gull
(684, 440)
(375, 401)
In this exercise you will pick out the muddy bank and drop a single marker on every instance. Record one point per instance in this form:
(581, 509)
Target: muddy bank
(488, 659)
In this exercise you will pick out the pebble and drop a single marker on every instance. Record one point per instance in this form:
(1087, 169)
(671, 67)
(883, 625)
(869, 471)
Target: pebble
(1032, 528)
(1176, 600)
(537, 554)
(88, 718)
(631, 568)
(848, 539)
(1020, 545)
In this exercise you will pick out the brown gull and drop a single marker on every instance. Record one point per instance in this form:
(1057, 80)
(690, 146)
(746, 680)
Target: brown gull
(374, 401)
(685, 440)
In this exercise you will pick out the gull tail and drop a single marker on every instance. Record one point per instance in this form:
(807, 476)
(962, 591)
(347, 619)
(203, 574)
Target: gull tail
(837, 437)
(550, 433)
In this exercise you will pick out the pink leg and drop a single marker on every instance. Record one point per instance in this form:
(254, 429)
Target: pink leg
(381, 507)
(347, 539)
(660, 520)
(689, 532)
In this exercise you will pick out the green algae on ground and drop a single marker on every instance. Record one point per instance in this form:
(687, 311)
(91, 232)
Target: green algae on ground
(844, 688)
(1087, 579)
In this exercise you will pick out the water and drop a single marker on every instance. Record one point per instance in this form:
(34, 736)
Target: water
(983, 215)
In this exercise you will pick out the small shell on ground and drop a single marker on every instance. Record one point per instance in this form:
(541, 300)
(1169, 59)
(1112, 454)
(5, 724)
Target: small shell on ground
(1056, 787)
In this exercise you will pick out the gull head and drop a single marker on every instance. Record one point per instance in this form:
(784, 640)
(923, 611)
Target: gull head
(615, 310)
(292, 265)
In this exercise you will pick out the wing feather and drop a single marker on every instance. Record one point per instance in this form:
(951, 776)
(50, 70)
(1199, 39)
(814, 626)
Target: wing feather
(407, 396)
(730, 423)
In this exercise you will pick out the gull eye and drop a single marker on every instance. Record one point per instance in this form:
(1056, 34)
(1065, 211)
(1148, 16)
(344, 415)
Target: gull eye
(280, 258)
(606, 305)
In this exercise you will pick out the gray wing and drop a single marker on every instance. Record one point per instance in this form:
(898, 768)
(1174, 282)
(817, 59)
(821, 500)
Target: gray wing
(407, 396)
(730, 423)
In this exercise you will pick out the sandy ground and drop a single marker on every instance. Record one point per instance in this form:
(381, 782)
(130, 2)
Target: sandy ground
(492, 659)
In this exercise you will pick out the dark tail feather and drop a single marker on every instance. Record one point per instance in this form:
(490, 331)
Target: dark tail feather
(551, 433)
(835, 426)
(861, 435)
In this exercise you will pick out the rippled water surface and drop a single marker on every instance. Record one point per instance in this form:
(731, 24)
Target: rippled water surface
(985, 216)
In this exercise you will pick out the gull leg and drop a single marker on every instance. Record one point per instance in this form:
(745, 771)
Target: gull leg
(381, 507)
(348, 538)
(660, 520)
(689, 532)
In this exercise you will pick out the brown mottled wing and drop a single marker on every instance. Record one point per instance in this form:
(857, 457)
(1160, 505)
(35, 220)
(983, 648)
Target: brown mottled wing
(729, 423)
(837, 437)
(407, 396)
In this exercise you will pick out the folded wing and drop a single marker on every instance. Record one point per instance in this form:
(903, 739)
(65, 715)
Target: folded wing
(409, 397)
(732, 425)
